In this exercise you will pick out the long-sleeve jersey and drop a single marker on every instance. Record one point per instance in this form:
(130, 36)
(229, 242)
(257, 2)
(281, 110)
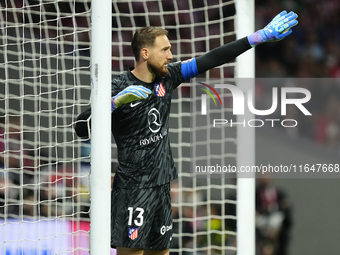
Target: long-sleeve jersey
(141, 128)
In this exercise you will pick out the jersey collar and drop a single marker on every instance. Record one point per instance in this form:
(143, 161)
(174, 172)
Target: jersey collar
(148, 85)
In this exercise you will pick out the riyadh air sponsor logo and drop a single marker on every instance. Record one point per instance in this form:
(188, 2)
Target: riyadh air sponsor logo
(153, 139)
(154, 120)
(155, 125)
(165, 229)
(242, 99)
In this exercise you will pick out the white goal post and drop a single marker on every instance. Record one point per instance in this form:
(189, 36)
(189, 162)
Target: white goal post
(245, 71)
(100, 179)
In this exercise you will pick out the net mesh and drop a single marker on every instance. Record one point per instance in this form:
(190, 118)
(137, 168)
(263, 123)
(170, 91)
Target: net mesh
(44, 74)
(45, 84)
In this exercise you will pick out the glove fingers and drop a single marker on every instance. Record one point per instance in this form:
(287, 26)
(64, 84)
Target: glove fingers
(129, 94)
(288, 25)
(137, 93)
(276, 30)
(135, 96)
(284, 34)
(139, 88)
(286, 22)
(145, 90)
(286, 18)
(290, 17)
(292, 23)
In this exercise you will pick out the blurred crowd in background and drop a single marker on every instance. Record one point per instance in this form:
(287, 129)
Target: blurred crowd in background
(311, 51)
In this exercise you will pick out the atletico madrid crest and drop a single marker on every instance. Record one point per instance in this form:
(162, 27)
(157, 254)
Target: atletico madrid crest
(133, 233)
(159, 89)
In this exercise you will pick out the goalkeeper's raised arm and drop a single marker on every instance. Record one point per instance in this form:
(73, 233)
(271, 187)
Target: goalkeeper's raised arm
(276, 30)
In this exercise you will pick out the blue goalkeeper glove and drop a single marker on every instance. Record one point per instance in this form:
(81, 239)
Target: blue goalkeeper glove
(276, 30)
(129, 94)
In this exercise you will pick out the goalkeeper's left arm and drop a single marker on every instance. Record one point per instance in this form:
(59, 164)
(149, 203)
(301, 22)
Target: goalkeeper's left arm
(129, 94)
(276, 30)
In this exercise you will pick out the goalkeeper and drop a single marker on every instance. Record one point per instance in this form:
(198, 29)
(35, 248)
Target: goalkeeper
(141, 215)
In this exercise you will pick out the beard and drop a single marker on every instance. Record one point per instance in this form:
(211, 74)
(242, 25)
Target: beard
(157, 69)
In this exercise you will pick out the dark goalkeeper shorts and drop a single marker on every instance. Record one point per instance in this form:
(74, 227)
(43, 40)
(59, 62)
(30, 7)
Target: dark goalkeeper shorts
(141, 218)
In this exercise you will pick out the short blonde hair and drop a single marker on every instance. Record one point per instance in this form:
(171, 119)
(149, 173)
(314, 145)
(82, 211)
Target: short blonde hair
(145, 37)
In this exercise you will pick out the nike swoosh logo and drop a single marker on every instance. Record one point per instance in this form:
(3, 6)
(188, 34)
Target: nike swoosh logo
(135, 104)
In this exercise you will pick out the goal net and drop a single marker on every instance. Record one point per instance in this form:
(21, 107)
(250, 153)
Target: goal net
(45, 83)
(44, 77)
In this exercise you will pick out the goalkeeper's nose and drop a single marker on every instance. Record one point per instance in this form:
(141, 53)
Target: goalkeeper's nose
(169, 55)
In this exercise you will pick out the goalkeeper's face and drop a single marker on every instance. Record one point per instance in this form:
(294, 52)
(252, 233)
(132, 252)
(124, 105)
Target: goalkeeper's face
(160, 56)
